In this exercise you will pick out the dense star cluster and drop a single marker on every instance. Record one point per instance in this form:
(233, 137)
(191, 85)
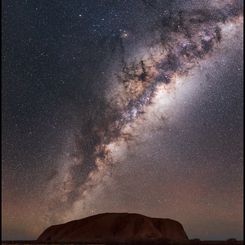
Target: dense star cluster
(122, 106)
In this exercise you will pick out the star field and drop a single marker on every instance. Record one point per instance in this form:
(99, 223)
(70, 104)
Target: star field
(122, 106)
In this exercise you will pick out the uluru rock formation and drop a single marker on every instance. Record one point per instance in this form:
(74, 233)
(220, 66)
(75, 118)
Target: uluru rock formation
(115, 227)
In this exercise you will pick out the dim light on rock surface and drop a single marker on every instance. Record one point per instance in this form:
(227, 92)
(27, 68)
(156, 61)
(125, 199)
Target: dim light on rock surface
(119, 227)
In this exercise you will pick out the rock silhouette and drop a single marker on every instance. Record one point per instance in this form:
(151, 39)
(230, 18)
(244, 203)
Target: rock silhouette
(115, 227)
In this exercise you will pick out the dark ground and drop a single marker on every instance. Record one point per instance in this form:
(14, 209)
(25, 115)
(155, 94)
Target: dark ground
(192, 242)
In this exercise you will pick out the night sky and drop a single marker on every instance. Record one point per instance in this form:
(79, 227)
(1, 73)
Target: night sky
(122, 106)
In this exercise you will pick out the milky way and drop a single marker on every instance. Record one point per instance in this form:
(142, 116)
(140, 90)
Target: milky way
(122, 106)
(181, 40)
